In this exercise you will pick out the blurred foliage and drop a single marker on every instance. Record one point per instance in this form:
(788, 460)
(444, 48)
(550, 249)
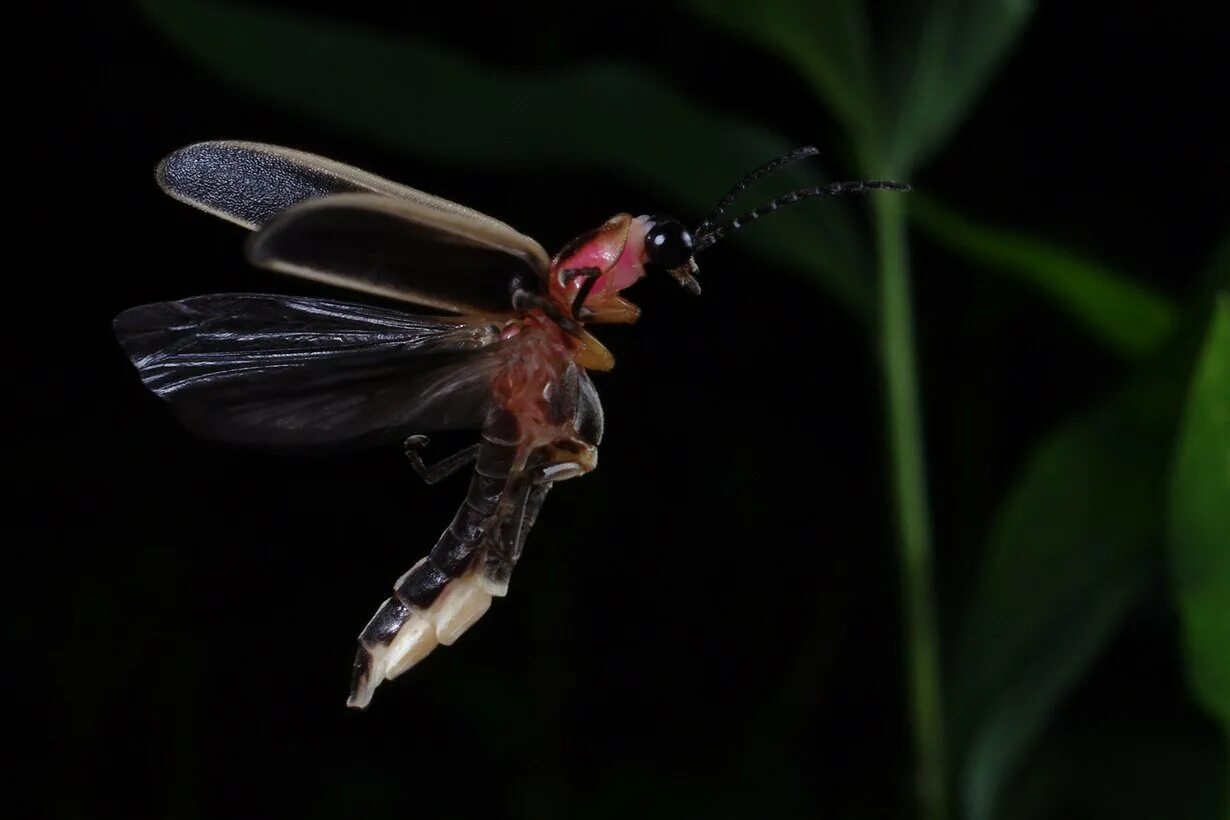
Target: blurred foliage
(1129, 769)
(1200, 520)
(1069, 552)
(901, 98)
(356, 80)
(1079, 531)
(1126, 317)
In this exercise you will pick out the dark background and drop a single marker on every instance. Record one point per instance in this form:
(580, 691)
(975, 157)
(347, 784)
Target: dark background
(708, 624)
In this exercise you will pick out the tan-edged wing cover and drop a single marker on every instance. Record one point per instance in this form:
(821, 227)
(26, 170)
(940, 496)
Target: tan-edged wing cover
(330, 222)
(399, 249)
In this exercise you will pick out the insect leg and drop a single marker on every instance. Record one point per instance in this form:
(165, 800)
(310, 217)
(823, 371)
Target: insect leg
(502, 547)
(528, 300)
(590, 275)
(442, 469)
(502, 554)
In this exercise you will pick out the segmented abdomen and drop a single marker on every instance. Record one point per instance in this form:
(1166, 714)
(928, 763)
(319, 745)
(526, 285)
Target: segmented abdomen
(544, 425)
(499, 456)
(475, 529)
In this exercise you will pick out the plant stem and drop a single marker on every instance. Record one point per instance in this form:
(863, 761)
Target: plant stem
(910, 494)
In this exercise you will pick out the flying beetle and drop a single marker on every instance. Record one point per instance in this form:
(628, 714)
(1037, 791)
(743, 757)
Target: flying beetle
(507, 354)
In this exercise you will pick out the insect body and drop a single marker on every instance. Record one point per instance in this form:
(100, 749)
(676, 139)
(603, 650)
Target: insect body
(509, 356)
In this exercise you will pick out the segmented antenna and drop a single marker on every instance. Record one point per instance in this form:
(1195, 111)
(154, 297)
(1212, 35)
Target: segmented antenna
(740, 186)
(832, 189)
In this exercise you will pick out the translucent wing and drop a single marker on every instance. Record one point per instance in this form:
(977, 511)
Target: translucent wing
(294, 371)
(381, 237)
(398, 249)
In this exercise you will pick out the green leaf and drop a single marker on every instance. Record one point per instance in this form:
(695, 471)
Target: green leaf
(1069, 553)
(1134, 761)
(1200, 521)
(426, 101)
(901, 107)
(939, 68)
(1125, 316)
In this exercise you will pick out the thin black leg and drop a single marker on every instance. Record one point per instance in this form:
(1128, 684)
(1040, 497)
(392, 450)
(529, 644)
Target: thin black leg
(509, 535)
(591, 278)
(441, 469)
(528, 300)
(514, 520)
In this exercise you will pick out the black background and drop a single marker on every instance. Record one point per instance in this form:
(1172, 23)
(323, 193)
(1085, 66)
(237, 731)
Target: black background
(708, 624)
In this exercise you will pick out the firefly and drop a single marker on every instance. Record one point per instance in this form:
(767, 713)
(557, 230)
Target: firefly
(506, 354)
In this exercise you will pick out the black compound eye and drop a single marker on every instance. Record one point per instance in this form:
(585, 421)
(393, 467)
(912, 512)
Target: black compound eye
(668, 244)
